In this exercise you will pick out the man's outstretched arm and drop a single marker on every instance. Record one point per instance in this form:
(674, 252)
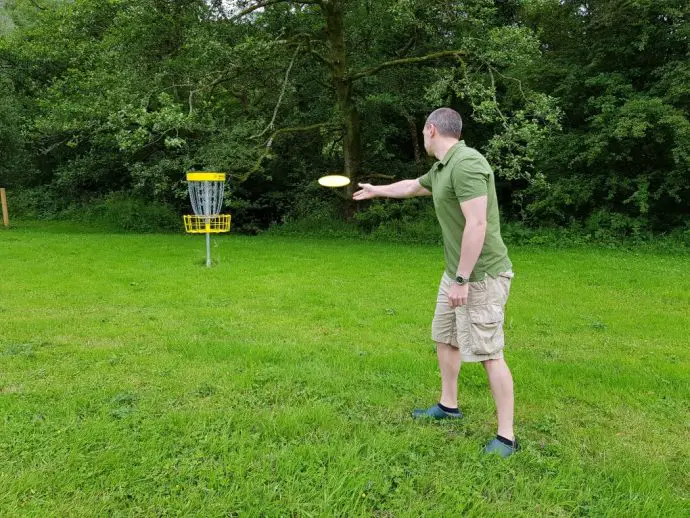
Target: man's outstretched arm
(402, 189)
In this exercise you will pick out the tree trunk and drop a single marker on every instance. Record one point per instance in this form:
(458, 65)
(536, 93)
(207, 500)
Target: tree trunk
(352, 143)
(412, 126)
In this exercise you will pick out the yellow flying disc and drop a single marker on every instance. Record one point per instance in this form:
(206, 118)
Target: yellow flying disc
(334, 180)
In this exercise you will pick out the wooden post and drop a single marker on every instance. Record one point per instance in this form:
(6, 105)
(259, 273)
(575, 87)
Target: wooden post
(5, 215)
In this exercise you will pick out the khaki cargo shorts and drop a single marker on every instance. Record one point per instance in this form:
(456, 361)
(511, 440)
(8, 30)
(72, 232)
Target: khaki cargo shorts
(477, 327)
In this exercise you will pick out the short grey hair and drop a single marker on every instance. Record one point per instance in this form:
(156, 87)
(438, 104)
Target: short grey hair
(447, 121)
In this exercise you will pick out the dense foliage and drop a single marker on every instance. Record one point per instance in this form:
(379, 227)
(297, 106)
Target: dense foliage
(583, 108)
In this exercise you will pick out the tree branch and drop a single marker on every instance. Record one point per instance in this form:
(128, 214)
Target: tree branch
(46, 150)
(36, 5)
(269, 143)
(280, 97)
(511, 78)
(405, 61)
(493, 93)
(377, 175)
(321, 58)
(307, 40)
(407, 46)
(266, 3)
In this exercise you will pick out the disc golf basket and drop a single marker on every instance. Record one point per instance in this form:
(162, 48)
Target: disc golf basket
(206, 194)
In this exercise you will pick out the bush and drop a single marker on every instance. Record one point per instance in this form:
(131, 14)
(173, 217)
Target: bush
(424, 229)
(120, 212)
(411, 220)
(317, 227)
(117, 211)
(611, 225)
(35, 203)
(418, 227)
(316, 216)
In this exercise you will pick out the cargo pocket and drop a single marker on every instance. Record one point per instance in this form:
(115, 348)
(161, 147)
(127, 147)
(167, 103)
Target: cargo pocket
(486, 329)
(477, 293)
(504, 280)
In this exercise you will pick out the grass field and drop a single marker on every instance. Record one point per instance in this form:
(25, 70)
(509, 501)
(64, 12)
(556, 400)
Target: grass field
(133, 381)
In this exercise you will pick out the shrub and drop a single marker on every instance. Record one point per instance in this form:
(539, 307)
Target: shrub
(120, 212)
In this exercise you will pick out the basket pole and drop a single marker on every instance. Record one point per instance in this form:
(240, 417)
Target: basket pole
(208, 249)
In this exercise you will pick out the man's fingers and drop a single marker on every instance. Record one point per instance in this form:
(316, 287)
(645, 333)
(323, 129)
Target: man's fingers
(361, 195)
(457, 302)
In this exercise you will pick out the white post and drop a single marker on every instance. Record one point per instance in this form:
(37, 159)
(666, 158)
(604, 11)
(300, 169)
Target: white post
(208, 249)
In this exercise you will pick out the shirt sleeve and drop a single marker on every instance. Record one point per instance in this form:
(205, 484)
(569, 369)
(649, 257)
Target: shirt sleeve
(425, 181)
(471, 179)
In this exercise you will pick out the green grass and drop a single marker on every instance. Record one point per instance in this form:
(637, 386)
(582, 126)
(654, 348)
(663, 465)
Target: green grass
(134, 381)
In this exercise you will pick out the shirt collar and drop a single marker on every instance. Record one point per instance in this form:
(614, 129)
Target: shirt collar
(449, 154)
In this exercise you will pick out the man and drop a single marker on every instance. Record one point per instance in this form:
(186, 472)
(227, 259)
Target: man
(468, 322)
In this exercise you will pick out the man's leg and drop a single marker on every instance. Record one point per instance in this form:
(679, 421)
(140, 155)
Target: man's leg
(501, 383)
(449, 365)
(443, 332)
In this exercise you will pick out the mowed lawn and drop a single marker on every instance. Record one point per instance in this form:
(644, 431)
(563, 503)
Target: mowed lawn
(136, 382)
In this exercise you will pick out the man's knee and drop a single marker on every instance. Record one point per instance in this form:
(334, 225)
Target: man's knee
(492, 364)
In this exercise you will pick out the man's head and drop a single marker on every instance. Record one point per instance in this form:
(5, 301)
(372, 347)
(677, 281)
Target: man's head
(442, 129)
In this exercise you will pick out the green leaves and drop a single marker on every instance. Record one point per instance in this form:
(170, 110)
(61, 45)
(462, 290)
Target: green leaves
(620, 70)
(135, 127)
(578, 109)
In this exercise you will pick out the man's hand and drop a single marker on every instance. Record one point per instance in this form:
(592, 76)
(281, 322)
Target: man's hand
(365, 193)
(457, 296)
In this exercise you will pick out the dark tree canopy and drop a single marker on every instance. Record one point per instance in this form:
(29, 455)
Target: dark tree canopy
(582, 107)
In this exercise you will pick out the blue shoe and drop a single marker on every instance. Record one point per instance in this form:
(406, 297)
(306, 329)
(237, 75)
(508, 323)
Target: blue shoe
(435, 412)
(503, 449)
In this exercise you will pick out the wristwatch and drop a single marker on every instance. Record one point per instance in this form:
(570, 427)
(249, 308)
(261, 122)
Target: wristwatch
(462, 280)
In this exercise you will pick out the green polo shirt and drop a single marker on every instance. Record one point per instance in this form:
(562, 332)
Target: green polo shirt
(464, 174)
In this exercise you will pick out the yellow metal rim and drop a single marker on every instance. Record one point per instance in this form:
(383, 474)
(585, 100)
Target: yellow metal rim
(196, 176)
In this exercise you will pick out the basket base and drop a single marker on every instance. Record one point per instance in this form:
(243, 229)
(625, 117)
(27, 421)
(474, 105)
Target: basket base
(207, 225)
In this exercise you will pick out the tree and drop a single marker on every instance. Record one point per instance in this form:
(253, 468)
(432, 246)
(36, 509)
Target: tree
(358, 41)
(126, 95)
(621, 72)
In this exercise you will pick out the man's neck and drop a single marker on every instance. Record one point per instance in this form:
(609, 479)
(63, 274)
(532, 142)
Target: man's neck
(443, 147)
